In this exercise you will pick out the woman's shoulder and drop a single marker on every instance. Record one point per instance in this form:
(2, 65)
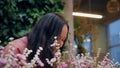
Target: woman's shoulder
(22, 40)
(19, 44)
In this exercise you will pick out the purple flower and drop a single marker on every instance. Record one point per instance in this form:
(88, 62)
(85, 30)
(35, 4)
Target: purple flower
(1, 52)
(83, 66)
(2, 62)
(39, 62)
(20, 56)
(64, 65)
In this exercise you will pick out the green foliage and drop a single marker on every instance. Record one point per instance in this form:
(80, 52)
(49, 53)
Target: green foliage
(18, 16)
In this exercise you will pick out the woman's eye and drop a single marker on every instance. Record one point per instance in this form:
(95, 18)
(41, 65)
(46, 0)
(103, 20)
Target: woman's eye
(59, 38)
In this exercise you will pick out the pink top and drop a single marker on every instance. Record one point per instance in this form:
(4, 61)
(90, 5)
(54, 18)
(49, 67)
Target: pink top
(19, 45)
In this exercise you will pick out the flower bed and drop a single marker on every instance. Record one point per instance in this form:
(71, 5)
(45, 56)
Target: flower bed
(65, 60)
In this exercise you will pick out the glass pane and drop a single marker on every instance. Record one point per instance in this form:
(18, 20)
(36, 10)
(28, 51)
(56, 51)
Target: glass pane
(115, 53)
(114, 40)
(114, 33)
(87, 43)
(87, 46)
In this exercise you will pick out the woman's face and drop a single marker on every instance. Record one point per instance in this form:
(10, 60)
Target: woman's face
(63, 35)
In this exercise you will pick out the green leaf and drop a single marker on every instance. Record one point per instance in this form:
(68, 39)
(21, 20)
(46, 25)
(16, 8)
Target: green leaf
(31, 1)
(52, 1)
(18, 16)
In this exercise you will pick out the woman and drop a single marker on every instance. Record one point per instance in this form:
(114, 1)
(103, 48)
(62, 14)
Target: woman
(42, 34)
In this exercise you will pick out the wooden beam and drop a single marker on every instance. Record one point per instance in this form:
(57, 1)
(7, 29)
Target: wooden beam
(109, 18)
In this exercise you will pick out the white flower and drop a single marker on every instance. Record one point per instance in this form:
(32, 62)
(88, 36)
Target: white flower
(57, 54)
(47, 60)
(40, 48)
(53, 60)
(55, 37)
(11, 38)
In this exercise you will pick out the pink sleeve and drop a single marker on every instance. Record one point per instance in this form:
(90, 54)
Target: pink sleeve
(18, 44)
(16, 50)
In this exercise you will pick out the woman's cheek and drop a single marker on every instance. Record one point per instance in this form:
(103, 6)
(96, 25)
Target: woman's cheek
(61, 43)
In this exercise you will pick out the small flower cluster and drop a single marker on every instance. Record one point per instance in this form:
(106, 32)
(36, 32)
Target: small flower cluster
(57, 55)
(11, 60)
(87, 61)
(83, 61)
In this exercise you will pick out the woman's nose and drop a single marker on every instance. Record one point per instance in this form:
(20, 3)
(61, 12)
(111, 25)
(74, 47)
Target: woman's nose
(61, 44)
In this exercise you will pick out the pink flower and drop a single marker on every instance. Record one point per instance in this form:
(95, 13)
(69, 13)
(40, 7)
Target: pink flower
(20, 56)
(64, 65)
(2, 62)
(83, 66)
(39, 62)
(1, 52)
